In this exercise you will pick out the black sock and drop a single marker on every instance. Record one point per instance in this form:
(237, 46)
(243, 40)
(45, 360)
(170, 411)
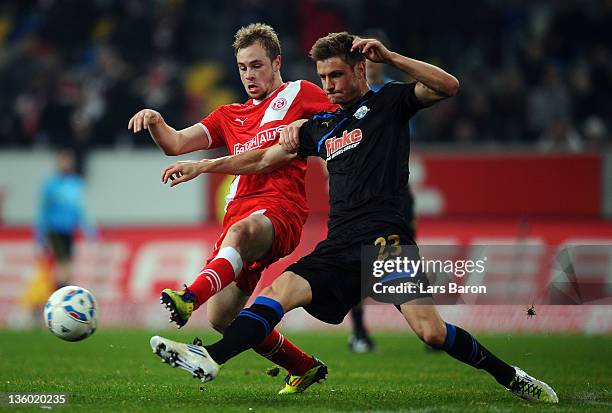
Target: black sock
(464, 347)
(357, 316)
(248, 330)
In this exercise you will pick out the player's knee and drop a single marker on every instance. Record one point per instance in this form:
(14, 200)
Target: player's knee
(432, 334)
(240, 232)
(277, 290)
(244, 232)
(290, 290)
(272, 292)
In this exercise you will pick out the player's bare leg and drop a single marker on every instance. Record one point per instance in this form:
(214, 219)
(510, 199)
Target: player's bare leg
(289, 290)
(424, 319)
(225, 306)
(249, 330)
(252, 237)
(249, 239)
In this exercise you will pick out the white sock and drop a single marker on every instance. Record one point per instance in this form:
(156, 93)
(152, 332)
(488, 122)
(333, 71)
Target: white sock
(233, 256)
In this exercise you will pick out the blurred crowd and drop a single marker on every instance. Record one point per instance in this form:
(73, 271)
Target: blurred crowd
(72, 72)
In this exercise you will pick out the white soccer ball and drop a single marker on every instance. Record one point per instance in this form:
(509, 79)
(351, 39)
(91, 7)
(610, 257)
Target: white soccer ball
(71, 313)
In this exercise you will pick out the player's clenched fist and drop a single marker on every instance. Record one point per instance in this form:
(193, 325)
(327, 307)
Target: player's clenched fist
(144, 119)
(182, 171)
(289, 136)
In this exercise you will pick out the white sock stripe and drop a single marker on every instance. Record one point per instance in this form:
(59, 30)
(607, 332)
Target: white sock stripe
(277, 347)
(215, 277)
(280, 343)
(205, 269)
(210, 276)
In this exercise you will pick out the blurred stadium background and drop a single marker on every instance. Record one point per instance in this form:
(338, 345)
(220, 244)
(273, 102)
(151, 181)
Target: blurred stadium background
(522, 155)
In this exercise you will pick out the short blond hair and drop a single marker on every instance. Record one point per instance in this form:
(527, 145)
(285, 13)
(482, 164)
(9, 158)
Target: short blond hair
(258, 32)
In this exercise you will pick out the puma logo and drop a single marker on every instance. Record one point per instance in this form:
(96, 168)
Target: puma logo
(482, 357)
(241, 120)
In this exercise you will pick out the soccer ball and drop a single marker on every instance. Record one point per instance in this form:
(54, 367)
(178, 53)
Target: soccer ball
(71, 313)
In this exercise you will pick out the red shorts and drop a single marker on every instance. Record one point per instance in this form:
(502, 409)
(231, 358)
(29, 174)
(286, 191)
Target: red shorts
(287, 232)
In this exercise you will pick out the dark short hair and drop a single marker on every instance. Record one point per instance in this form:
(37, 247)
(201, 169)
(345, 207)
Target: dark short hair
(336, 45)
(258, 32)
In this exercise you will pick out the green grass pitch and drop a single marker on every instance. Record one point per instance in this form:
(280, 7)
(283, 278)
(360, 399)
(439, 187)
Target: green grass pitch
(116, 371)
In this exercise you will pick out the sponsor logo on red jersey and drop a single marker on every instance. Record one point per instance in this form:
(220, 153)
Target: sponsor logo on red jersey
(258, 140)
(348, 140)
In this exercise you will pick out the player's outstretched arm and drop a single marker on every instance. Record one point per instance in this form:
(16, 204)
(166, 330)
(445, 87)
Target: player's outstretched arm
(258, 161)
(290, 136)
(171, 141)
(434, 84)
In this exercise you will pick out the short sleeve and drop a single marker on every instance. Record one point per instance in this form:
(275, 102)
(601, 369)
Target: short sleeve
(213, 127)
(314, 100)
(403, 94)
(308, 146)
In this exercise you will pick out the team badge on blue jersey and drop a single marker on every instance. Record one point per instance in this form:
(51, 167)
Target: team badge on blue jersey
(361, 112)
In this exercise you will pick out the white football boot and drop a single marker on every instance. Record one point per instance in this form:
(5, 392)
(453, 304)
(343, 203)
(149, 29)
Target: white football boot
(192, 358)
(532, 389)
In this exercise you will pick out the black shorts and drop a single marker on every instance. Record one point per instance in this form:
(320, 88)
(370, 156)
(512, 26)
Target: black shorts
(334, 268)
(60, 244)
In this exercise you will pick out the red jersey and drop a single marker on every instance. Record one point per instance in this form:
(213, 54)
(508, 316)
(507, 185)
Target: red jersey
(255, 124)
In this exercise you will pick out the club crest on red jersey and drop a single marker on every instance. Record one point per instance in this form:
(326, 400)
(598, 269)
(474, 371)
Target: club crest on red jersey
(279, 103)
(348, 140)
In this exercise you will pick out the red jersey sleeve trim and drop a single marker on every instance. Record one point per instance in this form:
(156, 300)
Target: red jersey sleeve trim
(207, 134)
